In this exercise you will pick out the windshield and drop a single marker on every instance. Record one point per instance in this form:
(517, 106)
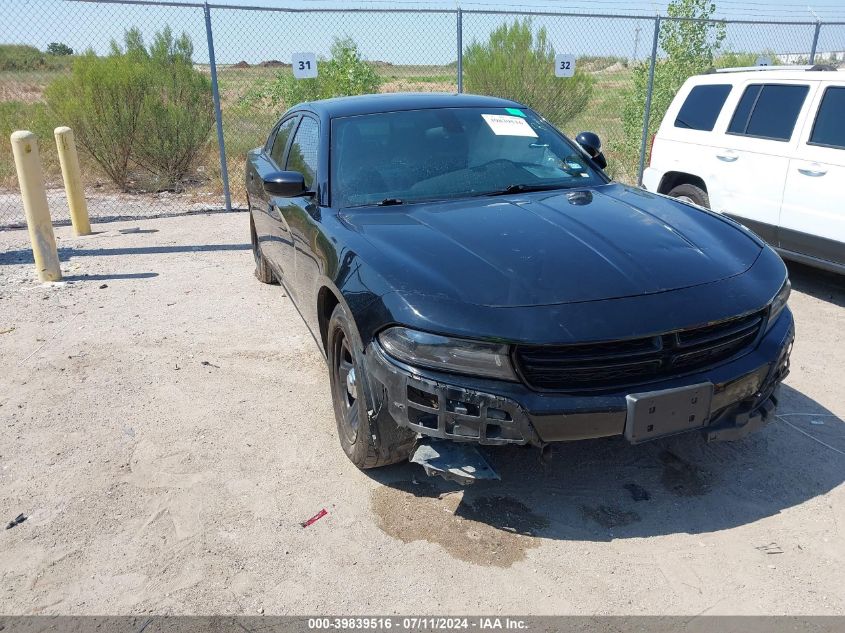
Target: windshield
(442, 153)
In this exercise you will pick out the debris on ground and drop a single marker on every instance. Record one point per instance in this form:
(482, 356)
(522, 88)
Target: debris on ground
(16, 521)
(638, 493)
(459, 462)
(206, 363)
(771, 548)
(7, 330)
(315, 518)
(136, 229)
(103, 286)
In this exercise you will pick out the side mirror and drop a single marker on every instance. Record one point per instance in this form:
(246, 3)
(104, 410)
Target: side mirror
(286, 184)
(591, 143)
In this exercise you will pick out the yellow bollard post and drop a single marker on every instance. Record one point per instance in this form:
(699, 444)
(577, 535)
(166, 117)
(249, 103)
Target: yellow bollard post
(31, 180)
(69, 161)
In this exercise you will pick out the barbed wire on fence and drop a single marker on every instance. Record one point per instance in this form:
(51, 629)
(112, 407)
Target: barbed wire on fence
(122, 64)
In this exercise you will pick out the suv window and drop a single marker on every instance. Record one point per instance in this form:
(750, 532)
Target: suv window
(829, 128)
(768, 111)
(277, 153)
(303, 151)
(702, 107)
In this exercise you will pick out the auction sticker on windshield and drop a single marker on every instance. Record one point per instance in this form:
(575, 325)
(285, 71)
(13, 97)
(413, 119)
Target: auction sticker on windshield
(504, 125)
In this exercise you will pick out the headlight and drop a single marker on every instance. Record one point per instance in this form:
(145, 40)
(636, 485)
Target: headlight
(779, 302)
(422, 349)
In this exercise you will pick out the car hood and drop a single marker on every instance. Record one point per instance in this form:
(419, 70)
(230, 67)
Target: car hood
(551, 247)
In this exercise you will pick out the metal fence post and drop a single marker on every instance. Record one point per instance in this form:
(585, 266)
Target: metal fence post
(218, 116)
(815, 42)
(460, 15)
(650, 89)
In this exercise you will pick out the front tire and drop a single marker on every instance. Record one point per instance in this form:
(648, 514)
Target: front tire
(263, 272)
(691, 193)
(368, 442)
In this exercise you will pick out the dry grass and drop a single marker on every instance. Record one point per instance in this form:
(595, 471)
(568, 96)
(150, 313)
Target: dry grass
(245, 128)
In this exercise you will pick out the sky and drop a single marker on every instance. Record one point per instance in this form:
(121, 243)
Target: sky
(412, 37)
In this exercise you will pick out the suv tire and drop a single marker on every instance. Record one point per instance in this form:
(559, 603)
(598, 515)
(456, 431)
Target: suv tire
(691, 193)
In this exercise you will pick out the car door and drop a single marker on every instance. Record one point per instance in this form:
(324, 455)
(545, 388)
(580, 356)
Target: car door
(302, 213)
(812, 219)
(273, 232)
(751, 157)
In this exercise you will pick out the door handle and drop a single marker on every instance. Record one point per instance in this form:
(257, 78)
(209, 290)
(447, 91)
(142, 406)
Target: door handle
(813, 172)
(728, 157)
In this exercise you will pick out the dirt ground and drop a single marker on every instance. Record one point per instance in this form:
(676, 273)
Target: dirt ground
(166, 426)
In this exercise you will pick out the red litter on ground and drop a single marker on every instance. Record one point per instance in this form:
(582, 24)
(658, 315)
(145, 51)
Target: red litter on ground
(315, 518)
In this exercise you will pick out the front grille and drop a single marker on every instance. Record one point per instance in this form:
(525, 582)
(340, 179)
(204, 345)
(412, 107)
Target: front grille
(618, 364)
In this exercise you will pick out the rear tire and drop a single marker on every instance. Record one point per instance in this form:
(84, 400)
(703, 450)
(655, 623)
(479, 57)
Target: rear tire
(368, 442)
(691, 193)
(263, 272)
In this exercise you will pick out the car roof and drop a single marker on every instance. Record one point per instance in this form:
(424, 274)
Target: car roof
(766, 74)
(392, 102)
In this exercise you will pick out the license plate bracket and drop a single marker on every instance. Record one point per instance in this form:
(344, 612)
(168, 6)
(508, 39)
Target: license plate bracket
(656, 414)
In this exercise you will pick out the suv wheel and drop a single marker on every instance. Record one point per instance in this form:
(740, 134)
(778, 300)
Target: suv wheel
(691, 193)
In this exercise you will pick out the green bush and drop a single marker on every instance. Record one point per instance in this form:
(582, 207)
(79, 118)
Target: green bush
(59, 49)
(516, 64)
(691, 48)
(135, 107)
(17, 115)
(741, 60)
(176, 119)
(344, 74)
(19, 57)
(102, 100)
(178, 111)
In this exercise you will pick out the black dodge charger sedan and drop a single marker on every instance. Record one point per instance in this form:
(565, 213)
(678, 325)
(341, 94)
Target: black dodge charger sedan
(473, 275)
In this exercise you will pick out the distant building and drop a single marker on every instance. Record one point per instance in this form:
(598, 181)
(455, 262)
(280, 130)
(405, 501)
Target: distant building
(802, 58)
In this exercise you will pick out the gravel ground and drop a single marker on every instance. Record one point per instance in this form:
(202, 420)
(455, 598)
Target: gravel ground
(166, 426)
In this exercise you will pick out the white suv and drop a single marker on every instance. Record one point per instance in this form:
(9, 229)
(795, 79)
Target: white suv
(766, 147)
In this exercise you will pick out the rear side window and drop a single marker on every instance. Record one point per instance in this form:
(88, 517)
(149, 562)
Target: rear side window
(277, 153)
(303, 151)
(702, 107)
(768, 111)
(829, 128)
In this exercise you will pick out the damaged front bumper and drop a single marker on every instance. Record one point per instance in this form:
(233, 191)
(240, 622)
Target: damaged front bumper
(490, 412)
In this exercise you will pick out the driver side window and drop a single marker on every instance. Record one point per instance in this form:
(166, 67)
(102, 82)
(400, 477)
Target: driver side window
(277, 152)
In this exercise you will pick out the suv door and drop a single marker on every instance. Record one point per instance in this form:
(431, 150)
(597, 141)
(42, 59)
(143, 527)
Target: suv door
(812, 219)
(751, 157)
(272, 231)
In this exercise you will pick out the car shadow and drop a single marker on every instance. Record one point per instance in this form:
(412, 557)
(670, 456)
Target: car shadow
(599, 490)
(24, 256)
(821, 284)
(109, 276)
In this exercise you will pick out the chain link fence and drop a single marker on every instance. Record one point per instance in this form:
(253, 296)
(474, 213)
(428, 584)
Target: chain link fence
(150, 104)
(33, 96)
